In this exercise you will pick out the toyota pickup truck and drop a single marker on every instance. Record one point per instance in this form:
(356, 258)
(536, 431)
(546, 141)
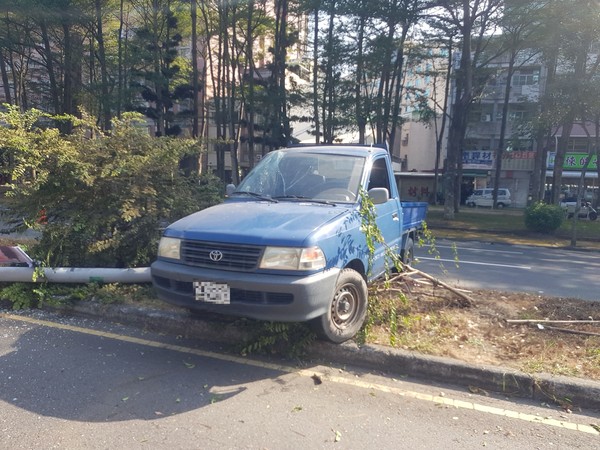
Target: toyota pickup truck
(288, 243)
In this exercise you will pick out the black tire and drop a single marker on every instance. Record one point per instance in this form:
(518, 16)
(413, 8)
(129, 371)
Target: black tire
(408, 252)
(593, 216)
(347, 309)
(500, 205)
(471, 205)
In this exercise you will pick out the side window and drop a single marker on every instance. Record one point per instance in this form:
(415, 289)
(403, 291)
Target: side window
(379, 175)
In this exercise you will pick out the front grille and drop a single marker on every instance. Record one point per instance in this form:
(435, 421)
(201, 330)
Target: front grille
(224, 256)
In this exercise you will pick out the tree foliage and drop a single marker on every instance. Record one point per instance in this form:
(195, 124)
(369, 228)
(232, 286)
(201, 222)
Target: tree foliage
(156, 68)
(257, 67)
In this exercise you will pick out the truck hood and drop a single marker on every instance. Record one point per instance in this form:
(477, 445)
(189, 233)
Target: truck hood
(257, 223)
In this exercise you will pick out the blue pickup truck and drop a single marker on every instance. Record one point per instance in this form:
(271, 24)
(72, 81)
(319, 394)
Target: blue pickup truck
(287, 243)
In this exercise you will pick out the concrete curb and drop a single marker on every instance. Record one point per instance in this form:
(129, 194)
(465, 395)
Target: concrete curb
(565, 391)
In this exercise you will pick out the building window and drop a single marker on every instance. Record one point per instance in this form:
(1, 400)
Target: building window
(516, 116)
(526, 78)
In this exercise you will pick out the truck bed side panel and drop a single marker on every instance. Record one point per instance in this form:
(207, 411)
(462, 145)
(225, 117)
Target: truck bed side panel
(413, 215)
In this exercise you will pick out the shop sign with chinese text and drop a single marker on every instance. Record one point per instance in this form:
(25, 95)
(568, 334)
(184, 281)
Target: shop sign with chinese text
(478, 159)
(574, 161)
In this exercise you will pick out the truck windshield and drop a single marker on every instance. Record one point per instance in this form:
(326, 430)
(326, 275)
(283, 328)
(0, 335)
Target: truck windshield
(293, 174)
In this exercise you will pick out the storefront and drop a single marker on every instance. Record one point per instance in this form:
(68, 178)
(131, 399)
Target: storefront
(573, 166)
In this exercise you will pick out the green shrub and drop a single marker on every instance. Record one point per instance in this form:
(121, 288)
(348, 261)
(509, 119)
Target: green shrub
(99, 199)
(543, 218)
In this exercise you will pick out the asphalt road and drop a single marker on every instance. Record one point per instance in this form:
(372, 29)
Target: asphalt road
(77, 383)
(514, 268)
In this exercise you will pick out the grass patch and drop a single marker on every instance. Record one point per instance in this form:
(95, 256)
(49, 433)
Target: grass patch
(508, 225)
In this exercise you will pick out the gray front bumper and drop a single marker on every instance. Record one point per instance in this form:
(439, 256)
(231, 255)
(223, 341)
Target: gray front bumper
(281, 298)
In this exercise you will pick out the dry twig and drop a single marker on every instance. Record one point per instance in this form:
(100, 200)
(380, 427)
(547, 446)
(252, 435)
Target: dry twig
(519, 321)
(408, 271)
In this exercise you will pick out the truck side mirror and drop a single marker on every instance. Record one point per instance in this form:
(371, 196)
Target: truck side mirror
(379, 195)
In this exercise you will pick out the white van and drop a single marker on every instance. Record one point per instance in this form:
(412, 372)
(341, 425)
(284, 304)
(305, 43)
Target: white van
(485, 197)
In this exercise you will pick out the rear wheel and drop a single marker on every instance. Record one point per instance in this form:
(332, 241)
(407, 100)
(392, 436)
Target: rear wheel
(347, 309)
(500, 205)
(408, 253)
(593, 215)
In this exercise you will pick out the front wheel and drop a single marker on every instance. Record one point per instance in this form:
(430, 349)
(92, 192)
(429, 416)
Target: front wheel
(347, 309)
(593, 215)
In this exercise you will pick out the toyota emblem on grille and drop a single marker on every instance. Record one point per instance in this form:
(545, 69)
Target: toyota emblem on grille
(216, 255)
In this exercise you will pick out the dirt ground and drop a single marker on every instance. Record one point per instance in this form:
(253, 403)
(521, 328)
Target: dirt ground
(435, 321)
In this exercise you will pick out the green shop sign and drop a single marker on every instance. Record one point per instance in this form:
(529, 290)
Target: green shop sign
(574, 161)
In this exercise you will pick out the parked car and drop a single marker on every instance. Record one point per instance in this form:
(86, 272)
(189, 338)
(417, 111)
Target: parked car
(586, 211)
(485, 197)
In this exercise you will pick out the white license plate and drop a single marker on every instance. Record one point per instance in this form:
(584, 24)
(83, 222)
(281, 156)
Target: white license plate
(210, 292)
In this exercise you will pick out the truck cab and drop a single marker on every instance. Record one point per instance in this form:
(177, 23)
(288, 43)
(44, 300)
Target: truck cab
(288, 243)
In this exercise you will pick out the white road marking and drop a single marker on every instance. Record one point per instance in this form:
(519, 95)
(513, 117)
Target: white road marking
(472, 249)
(476, 263)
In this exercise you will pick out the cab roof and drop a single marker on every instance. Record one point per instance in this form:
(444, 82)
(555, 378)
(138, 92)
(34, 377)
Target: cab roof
(339, 149)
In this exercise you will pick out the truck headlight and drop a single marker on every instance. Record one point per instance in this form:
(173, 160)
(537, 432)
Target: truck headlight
(169, 247)
(291, 258)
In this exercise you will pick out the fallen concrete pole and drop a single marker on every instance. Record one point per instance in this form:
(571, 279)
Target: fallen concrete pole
(17, 267)
(75, 275)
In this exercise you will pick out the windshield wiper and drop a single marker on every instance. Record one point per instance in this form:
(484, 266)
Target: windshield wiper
(267, 198)
(301, 198)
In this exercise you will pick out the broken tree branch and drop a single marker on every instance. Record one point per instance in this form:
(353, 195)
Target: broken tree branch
(567, 330)
(409, 271)
(521, 321)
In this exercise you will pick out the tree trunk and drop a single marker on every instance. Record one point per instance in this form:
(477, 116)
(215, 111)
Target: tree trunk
(316, 76)
(439, 141)
(5, 82)
(360, 110)
(281, 126)
(105, 100)
(395, 100)
(251, 84)
(328, 106)
(383, 90)
(120, 65)
(195, 81)
(559, 159)
(579, 75)
(49, 58)
(72, 74)
(458, 124)
(500, 149)
(157, 67)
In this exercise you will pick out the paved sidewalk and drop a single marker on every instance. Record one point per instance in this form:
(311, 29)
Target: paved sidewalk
(565, 391)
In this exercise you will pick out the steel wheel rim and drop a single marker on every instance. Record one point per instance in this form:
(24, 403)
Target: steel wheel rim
(345, 306)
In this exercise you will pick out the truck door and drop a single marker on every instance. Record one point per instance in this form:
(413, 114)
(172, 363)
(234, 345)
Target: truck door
(389, 215)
